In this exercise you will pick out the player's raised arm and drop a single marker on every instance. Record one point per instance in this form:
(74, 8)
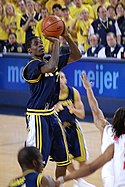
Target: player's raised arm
(90, 168)
(98, 116)
(75, 52)
(53, 61)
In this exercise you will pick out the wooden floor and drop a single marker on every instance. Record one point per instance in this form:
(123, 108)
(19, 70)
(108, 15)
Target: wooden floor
(12, 136)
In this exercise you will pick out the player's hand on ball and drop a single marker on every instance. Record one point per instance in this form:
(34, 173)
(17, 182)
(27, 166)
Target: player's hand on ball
(51, 39)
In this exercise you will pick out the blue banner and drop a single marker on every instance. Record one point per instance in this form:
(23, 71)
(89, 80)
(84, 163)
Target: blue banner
(11, 73)
(107, 77)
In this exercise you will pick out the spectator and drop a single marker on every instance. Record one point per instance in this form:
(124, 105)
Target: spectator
(103, 25)
(82, 26)
(50, 4)
(121, 23)
(38, 32)
(75, 10)
(29, 20)
(111, 12)
(12, 46)
(119, 10)
(57, 10)
(68, 3)
(113, 3)
(3, 33)
(38, 6)
(113, 49)
(22, 7)
(22, 11)
(69, 21)
(95, 46)
(12, 21)
(99, 3)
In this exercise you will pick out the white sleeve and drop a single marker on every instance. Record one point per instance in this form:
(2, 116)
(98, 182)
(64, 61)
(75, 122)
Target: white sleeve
(119, 53)
(118, 32)
(91, 30)
(101, 53)
(84, 55)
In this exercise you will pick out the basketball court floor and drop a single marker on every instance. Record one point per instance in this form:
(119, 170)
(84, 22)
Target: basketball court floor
(12, 137)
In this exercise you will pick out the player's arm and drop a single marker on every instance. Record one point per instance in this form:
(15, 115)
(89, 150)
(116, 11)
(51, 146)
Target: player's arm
(74, 51)
(52, 64)
(88, 169)
(77, 108)
(96, 111)
(47, 181)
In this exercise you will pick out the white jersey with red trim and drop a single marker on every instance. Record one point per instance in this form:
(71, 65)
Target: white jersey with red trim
(119, 161)
(107, 169)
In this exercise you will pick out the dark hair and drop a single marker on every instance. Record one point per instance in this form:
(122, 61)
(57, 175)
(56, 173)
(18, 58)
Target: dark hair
(26, 156)
(29, 41)
(56, 6)
(118, 122)
(100, 6)
(119, 3)
(12, 33)
(65, 8)
(110, 6)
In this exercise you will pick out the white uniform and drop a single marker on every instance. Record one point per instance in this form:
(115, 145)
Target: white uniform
(102, 53)
(119, 161)
(107, 169)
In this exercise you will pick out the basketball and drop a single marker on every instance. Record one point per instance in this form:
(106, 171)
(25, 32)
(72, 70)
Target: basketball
(52, 26)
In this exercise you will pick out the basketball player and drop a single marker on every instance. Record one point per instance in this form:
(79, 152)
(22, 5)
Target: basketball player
(69, 108)
(114, 171)
(45, 130)
(30, 161)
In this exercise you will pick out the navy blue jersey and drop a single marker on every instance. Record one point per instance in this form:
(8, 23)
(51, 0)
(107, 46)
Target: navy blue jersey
(74, 134)
(44, 88)
(30, 178)
(66, 117)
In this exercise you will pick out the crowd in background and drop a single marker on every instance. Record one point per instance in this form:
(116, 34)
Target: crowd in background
(96, 26)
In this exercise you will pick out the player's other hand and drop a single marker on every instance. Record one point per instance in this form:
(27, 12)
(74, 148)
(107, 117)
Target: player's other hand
(85, 81)
(58, 107)
(51, 39)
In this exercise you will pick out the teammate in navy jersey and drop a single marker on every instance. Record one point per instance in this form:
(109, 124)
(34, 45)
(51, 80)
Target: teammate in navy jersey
(45, 130)
(30, 160)
(69, 108)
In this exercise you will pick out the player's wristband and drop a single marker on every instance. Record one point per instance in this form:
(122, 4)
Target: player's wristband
(61, 179)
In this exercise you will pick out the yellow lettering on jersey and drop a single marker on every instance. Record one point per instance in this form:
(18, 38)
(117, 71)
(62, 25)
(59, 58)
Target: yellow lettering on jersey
(66, 102)
(17, 182)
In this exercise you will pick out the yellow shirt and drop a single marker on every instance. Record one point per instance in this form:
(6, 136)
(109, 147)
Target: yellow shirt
(74, 11)
(82, 28)
(15, 21)
(3, 33)
(69, 24)
(38, 33)
(50, 4)
(95, 7)
(90, 2)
